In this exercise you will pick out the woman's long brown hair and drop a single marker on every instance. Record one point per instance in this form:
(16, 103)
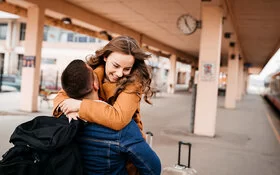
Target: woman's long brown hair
(139, 73)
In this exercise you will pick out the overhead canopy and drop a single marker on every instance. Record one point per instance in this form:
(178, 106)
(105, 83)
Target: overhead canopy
(254, 24)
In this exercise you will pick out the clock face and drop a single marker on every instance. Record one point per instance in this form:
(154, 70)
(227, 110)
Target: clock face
(187, 24)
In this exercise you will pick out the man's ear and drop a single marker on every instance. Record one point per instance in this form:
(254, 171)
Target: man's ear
(95, 82)
(105, 59)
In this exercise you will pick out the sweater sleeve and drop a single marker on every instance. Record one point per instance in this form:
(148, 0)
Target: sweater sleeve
(60, 97)
(117, 116)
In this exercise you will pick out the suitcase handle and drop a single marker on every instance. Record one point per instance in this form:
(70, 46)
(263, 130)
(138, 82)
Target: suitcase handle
(179, 154)
(150, 138)
(149, 133)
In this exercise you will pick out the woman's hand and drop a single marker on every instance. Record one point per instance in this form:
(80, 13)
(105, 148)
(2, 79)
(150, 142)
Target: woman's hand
(70, 105)
(72, 115)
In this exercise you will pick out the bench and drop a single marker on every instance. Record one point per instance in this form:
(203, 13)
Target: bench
(47, 96)
(155, 91)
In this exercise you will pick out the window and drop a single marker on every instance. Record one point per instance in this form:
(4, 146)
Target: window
(22, 31)
(166, 72)
(70, 37)
(82, 39)
(19, 63)
(46, 30)
(3, 31)
(63, 36)
(92, 40)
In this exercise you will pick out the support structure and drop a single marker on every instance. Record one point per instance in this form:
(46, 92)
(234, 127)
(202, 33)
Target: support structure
(172, 75)
(240, 79)
(209, 64)
(32, 59)
(192, 75)
(232, 77)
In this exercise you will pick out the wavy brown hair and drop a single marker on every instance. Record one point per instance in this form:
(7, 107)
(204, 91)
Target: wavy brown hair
(139, 73)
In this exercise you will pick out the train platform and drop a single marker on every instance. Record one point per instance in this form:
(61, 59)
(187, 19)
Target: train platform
(247, 140)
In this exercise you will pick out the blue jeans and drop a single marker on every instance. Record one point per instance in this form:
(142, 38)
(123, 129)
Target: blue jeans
(106, 151)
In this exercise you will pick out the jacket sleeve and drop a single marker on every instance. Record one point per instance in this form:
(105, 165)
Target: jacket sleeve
(60, 97)
(117, 116)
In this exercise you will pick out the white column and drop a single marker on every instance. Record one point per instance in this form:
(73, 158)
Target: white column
(33, 45)
(14, 43)
(191, 81)
(172, 75)
(8, 47)
(209, 64)
(232, 78)
(240, 79)
(245, 77)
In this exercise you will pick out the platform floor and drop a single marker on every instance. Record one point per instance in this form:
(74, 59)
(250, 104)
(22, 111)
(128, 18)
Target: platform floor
(247, 139)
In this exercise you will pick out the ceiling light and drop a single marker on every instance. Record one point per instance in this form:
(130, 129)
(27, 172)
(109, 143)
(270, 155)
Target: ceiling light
(66, 20)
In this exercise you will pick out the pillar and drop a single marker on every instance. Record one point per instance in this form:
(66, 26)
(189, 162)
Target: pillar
(8, 46)
(172, 75)
(240, 79)
(191, 81)
(14, 44)
(245, 78)
(32, 59)
(209, 64)
(232, 77)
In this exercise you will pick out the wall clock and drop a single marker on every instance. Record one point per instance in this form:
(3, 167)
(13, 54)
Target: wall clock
(187, 24)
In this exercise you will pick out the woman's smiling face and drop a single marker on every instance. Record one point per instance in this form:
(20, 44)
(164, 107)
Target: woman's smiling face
(118, 65)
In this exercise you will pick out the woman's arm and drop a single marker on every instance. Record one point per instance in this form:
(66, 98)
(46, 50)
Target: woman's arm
(61, 96)
(116, 116)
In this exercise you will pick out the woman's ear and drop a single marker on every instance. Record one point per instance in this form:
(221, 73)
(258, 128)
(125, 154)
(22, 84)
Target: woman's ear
(105, 59)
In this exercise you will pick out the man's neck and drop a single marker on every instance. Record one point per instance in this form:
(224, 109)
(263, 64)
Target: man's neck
(93, 95)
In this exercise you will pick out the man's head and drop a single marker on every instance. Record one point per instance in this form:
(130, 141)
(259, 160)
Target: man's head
(77, 79)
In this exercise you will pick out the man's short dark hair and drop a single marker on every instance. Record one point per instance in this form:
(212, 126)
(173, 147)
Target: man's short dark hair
(77, 79)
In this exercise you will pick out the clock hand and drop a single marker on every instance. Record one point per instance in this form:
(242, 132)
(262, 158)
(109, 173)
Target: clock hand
(186, 22)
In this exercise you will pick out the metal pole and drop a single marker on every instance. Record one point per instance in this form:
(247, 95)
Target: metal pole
(56, 81)
(41, 80)
(1, 70)
(193, 102)
(194, 89)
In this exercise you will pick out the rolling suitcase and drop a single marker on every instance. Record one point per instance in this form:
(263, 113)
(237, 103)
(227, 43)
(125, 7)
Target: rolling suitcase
(149, 138)
(181, 169)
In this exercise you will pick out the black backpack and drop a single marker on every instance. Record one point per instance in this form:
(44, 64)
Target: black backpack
(45, 146)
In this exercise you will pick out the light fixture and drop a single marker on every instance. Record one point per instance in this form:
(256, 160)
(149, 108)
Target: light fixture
(227, 35)
(66, 20)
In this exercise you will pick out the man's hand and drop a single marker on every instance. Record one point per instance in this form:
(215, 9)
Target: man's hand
(70, 105)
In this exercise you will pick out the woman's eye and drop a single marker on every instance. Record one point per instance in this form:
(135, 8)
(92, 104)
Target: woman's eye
(116, 66)
(126, 70)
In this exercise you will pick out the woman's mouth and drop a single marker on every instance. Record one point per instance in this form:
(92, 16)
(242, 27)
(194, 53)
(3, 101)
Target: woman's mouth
(115, 78)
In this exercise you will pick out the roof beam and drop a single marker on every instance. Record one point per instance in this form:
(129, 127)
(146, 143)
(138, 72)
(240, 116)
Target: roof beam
(276, 47)
(6, 7)
(52, 21)
(76, 12)
(152, 42)
(157, 53)
(72, 27)
(182, 57)
(229, 8)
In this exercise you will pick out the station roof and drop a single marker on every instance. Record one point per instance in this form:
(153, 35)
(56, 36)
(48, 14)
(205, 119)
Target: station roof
(254, 24)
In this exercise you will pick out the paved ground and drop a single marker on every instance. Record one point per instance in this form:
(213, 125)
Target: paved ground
(245, 143)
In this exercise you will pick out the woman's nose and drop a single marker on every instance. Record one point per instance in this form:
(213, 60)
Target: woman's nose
(119, 73)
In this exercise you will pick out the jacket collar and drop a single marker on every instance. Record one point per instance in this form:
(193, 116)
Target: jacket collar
(106, 90)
